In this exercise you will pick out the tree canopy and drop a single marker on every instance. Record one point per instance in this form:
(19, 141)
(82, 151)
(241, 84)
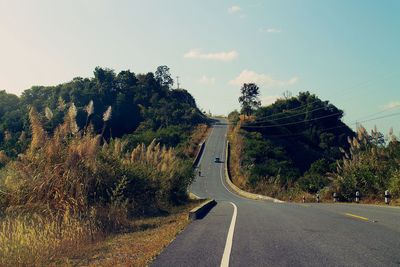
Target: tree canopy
(139, 102)
(295, 137)
(249, 98)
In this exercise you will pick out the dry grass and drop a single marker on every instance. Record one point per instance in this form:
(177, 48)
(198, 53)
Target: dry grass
(370, 166)
(138, 248)
(40, 242)
(199, 135)
(364, 153)
(71, 188)
(274, 189)
(240, 178)
(34, 240)
(236, 150)
(3, 158)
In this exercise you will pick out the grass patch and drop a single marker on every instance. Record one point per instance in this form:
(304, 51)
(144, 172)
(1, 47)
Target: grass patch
(34, 240)
(138, 247)
(72, 188)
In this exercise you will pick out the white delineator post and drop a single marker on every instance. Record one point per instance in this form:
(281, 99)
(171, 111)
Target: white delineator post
(387, 197)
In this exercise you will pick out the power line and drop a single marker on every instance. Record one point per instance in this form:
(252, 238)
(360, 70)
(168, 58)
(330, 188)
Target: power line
(380, 112)
(292, 123)
(295, 115)
(377, 118)
(318, 100)
(287, 117)
(342, 126)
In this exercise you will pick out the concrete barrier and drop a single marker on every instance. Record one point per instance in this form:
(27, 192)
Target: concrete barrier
(201, 211)
(199, 154)
(236, 189)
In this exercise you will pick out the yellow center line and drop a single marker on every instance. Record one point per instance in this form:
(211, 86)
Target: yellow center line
(356, 216)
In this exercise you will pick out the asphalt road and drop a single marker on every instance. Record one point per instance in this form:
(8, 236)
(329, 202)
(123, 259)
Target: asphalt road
(243, 232)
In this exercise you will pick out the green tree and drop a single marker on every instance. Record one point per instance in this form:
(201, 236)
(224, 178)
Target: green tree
(163, 76)
(249, 99)
(234, 117)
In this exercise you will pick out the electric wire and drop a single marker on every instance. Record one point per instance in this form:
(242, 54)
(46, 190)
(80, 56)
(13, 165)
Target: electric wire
(338, 127)
(360, 85)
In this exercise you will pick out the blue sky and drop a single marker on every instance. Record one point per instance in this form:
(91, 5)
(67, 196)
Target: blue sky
(347, 52)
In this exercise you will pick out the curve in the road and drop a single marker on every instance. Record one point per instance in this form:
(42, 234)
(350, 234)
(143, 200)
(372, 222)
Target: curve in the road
(269, 234)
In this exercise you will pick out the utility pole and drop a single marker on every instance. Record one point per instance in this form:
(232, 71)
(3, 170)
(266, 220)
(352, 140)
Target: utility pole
(177, 81)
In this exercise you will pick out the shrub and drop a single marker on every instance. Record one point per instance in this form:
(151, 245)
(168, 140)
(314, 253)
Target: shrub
(394, 184)
(314, 179)
(71, 185)
(34, 240)
(367, 166)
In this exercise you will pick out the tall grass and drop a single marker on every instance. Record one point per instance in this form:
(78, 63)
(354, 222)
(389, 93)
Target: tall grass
(238, 175)
(71, 186)
(371, 166)
(37, 240)
(198, 136)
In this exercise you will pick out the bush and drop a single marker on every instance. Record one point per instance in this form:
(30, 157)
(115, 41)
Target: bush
(74, 185)
(394, 184)
(264, 160)
(315, 178)
(369, 166)
(34, 240)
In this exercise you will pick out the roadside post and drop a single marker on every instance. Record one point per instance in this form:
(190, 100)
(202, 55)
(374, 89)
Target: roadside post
(387, 197)
(357, 196)
(335, 197)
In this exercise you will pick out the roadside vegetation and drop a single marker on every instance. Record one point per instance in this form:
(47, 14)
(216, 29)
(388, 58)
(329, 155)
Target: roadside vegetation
(78, 174)
(144, 107)
(299, 147)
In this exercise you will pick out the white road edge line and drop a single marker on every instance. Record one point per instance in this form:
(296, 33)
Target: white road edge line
(229, 239)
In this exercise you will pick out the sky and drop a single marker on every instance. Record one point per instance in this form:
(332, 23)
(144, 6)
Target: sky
(344, 51)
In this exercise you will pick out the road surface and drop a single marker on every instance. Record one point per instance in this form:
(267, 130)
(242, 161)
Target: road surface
(243, 232)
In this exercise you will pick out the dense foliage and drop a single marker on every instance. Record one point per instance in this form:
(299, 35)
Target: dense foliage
(81, 159)
(299, 145)
(371, 165)
(249, 98)
(293, 142)
(139, 102)
(70, 186)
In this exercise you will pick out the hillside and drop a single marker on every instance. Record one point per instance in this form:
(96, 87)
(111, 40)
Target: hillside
(92, 158)
(299, 146)
(139, 102)
(291, 139)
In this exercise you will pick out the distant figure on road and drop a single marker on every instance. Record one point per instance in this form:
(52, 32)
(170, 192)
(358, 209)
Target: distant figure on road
(200, 173)
(317, 198)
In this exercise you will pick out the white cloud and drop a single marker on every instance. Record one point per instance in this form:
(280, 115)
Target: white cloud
(270, 30)
(207, 80)
(248, 76)
(268, 100)
(392, 105)
(220, 56)
(234, 9)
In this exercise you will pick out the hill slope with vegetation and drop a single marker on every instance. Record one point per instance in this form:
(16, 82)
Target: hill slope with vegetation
(139, 102)
(83, 159)
(300, 146)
